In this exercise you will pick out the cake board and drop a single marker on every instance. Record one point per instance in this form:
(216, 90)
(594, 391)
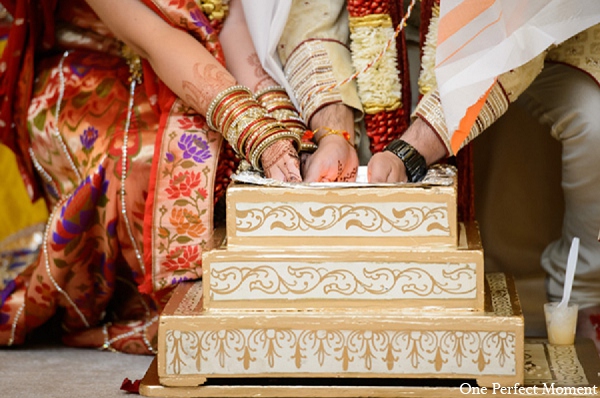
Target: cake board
(575, 366)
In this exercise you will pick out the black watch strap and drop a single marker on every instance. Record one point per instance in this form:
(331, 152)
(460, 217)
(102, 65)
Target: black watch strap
(414, 162)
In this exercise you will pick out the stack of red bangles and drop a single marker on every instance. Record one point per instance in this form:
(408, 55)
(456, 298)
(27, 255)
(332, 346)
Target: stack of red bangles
(279, 105)
(246, 124)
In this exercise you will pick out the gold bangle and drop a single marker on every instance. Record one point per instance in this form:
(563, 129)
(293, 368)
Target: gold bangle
(257, 153)
(341, 133)
(270, 89)
(230, 108)
(237, 126)
(218, 98)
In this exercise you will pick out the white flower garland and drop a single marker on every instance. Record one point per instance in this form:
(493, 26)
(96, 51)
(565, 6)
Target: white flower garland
(427, 80)
(379, 87)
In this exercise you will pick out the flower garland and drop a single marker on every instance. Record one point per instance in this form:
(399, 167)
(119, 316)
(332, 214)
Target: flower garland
(379, 78)
(427, 79)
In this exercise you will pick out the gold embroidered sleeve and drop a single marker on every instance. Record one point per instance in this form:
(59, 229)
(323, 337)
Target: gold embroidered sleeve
(430, 110)
(314, 52)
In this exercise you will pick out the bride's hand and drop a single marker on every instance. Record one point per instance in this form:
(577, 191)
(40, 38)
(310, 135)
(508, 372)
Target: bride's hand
(280, 161)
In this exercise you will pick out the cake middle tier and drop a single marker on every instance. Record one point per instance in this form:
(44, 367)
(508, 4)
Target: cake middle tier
(347, 278)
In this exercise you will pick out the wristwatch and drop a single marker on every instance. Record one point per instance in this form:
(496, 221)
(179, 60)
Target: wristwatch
(414, 162)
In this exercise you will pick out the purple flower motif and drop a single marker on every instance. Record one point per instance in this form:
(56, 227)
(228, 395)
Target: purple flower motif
(175, 280)
(79, 70)
(89, 137)
(79, 213)
(170, 157)
(111, 228)
(4, 294)
(194, 147)
(199, 19)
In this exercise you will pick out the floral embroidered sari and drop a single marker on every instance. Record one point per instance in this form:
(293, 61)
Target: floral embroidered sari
(129, 173)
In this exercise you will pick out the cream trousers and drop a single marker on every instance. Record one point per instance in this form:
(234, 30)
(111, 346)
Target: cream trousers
(568, 102)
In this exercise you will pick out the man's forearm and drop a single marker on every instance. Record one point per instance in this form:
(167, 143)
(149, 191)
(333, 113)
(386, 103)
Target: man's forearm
(425, 140)
(334, 116)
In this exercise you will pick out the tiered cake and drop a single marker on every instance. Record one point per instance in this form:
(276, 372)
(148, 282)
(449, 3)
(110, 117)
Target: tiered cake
(345, 281)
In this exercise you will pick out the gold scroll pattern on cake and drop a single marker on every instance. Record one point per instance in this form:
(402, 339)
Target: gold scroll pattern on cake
(316, 217)
(259, 350)
(501, 300)
(276, 280)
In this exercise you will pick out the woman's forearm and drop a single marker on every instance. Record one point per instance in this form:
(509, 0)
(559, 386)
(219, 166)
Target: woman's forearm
(180, 61)
(240, 54)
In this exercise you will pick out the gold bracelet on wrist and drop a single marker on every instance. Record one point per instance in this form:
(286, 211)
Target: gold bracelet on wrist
(218, 98)
(279, 105)
(265, 143)
(329, 131)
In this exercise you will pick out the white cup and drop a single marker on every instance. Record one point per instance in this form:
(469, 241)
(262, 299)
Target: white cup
(561, 323)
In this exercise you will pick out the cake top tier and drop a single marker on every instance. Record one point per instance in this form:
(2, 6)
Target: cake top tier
(263, 212)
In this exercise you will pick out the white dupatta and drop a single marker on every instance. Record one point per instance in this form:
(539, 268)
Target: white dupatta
(479, 40)
(266, 20)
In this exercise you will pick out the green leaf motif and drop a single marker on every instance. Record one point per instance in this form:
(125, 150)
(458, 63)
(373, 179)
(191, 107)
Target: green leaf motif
(72, 245)
(102, 201)
(187, 164)
(181, 202)
(60, 263)
(105, 87)
(39, 121)
(183, 239)
(81, 99)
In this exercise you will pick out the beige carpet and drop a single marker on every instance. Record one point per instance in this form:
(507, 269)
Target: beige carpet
(49, 370)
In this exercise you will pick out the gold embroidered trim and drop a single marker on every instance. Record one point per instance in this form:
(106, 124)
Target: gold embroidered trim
(307, 69)
(494, 107)
(430, 109)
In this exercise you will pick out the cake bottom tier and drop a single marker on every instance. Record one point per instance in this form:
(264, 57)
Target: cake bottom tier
(487, 346)
(549, 370)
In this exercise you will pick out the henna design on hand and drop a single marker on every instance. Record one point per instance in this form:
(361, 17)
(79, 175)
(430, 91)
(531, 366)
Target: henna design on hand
(277, 151)
(351, 176)
(264, 79)
(213, 79)
(293, 176)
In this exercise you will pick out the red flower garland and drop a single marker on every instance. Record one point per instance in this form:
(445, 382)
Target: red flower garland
(384, 126)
